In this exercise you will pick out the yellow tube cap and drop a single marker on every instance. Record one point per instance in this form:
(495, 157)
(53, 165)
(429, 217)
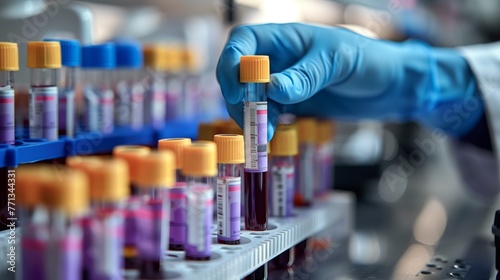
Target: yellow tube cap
(254, 69)
(130, 153)
(191, 60)
(326, 130)
(44, 55)
(200, 159)
(156, 57)
(206, 131)
(285, 141)
(67, 192)
(80, 162)
(174, 59)
(29, 180)
(176, 145)
(307, 130)
(230, 148)
(9, 57)
(156, 169)
(109, 180)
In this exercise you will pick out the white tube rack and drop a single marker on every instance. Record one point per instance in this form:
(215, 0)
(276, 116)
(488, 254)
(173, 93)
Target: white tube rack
(257, 247)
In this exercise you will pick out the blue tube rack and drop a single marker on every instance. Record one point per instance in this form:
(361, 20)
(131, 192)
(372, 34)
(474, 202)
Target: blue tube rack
(33, 150)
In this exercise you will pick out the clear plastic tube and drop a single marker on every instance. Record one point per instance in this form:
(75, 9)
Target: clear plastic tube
(174, 96)
(282, 186)
(67, 101)
(228, 203)
(43, 104)
(178, 213)
(305, 175)
(323, 162)
(155, 97)
(255, 132)
(7, 135)
(200, 199)
(99, 106)
(63, 258)
(129, 99)
(153, 223)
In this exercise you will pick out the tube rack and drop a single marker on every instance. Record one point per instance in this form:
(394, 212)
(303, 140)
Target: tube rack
(33, 150)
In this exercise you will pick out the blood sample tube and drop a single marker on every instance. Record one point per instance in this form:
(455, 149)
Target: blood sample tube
(155, 96)
(191, 84)
(284, 148)
(230, 157)
(8, 64)
(129, 92)
(33, 220)
(177, 193)
(304, 188)
(131, 153)
(254, 72)
(98, 62)
(156, 174)
(44, 59)
(70, 59)
(174, 84)
(323, 157)
(199, 167)
(104, 227)
(66, 198)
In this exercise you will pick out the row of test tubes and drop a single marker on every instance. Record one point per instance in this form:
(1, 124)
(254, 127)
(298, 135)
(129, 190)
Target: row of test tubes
(92, 88)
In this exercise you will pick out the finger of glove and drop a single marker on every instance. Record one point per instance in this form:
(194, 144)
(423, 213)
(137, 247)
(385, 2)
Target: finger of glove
(302, 80)
(273, 109)
(241, 41)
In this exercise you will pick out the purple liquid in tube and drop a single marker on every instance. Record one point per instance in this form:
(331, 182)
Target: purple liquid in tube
(177, 216)
(33, 246)
(7, 116)
(131, 237)
(199, 222)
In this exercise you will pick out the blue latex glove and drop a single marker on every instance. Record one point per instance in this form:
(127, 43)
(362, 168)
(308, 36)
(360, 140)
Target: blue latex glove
(334, 72)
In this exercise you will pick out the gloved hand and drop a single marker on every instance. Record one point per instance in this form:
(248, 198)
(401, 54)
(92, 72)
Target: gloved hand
(334, 72)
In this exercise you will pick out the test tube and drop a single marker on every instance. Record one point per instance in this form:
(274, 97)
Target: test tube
(177, 193)
(156, 64)
(98, 61)
(174, 84)
(129, 92)
(131, 153)
(70, 58)
(284, 148)
(156, 174)
(44, 58)
(66, 198)
(254, 72)
(323, 157)
(8, 64)
(304, 189)
(103, 228)
(33, 220)
(230, 157)
(191, 84)
(199, 167)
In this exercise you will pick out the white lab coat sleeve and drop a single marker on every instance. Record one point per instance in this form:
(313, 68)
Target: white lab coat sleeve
(484, 61)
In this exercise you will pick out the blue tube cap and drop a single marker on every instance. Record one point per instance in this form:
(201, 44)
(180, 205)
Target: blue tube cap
(128, 55)
(70, 51)
(99, 56)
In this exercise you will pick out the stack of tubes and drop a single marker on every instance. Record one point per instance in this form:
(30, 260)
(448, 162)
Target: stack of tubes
(98, 88)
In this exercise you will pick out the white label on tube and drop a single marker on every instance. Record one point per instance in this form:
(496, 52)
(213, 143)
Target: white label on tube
(91, 109)
(255, 133)
(105, 115)
(279, 189)
(226, 186)
(43, 112)
(7, 116)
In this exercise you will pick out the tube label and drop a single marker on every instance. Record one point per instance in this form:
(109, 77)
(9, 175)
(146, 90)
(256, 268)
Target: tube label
(178, 214)
(282, 190)
(137, 106)
(199, 221)
(152, 221)
(255, 132)
(67, 112)
(7, 116)
(228, 208)
(43, 112)
(174, 100)
(122, 100)
(105, 113)
(155, 103)
(306, 173)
